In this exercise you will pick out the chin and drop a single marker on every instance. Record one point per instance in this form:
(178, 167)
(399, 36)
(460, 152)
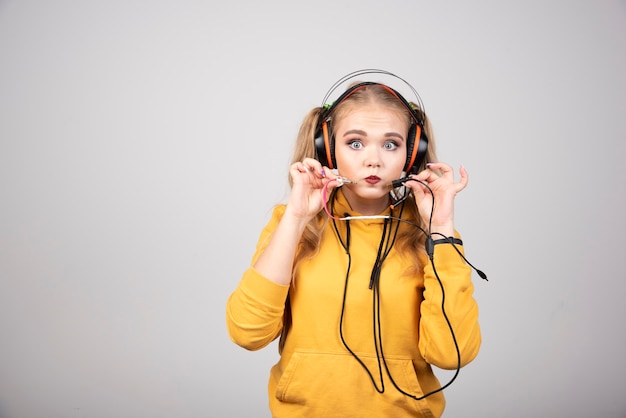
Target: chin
(372, 193)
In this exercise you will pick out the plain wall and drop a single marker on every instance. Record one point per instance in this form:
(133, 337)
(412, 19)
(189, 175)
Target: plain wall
(144, 143)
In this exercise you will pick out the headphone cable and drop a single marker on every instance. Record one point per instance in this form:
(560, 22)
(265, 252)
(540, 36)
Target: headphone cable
(375, 282)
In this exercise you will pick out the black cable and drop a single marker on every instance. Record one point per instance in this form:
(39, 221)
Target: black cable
(452, 334)
(346, 246)
(375, 286)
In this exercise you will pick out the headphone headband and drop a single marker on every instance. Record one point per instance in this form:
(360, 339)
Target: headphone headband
(354, 74)
(328, 109)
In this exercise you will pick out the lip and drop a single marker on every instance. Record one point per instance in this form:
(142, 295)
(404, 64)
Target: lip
(372, 179)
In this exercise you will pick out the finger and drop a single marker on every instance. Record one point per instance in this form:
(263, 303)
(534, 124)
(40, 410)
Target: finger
(427, 176)
(463, 180)
(302, 174)
(446, 170)
(301, 167)
(442, 168)
(314, 166)
(421, 179)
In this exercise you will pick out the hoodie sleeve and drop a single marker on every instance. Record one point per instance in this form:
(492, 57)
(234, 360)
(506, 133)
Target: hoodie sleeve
(254, 310)
(452, 274)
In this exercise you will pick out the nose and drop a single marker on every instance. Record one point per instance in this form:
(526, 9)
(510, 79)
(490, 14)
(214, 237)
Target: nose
(373, 157)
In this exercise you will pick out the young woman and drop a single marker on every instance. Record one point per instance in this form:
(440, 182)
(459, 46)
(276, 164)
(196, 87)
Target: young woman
(361, 272)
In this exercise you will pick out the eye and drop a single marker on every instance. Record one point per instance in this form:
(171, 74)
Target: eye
(355, 144)
(390, 145)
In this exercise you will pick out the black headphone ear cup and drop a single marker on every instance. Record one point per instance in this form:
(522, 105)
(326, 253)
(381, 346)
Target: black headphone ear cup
(324, 146)
(417, 145)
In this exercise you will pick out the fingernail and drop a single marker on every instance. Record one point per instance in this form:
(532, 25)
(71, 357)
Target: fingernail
(323, 173)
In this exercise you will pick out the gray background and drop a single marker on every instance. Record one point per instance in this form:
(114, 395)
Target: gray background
(143, 144)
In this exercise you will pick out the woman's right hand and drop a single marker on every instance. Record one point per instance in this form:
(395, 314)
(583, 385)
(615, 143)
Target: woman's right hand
(308, 181)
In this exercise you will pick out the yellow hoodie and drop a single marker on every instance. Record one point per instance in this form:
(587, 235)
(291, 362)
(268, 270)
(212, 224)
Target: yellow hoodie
(327, 370)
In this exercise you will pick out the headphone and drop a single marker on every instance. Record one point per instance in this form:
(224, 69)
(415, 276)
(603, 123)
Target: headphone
(417, 140)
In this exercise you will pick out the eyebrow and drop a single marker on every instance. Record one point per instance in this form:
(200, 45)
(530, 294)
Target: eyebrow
(363, 133)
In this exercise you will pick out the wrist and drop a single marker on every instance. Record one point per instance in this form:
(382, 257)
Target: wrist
(295, 219)
(440, 231)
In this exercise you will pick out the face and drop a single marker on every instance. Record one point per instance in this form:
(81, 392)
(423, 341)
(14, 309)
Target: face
(370, 149)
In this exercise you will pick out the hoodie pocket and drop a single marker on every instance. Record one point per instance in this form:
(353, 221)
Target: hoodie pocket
(314, 378)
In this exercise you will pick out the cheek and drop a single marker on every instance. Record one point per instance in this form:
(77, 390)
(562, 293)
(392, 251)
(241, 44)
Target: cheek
(394, 160)
(349, 163)
(400, 160)
(344, 162)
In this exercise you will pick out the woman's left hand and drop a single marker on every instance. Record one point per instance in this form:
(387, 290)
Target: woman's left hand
(440, 179)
